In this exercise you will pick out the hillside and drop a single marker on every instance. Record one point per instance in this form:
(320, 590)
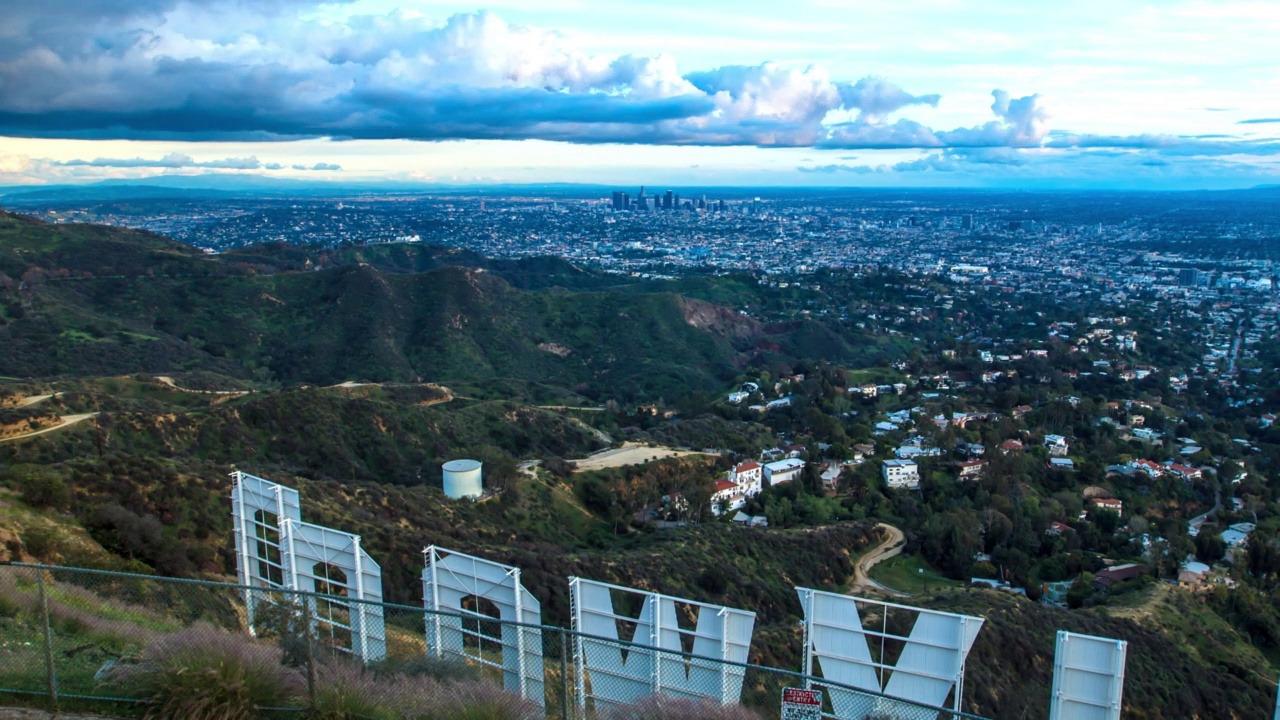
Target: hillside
(353, 373)
(87, 300)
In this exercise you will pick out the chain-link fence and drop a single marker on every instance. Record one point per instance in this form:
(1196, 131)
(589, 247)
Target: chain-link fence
(123, 643)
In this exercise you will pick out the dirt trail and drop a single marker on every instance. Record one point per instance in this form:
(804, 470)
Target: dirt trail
(891, 546)
(166, 380)
(628, 454)
(67, 420)
(36, 398)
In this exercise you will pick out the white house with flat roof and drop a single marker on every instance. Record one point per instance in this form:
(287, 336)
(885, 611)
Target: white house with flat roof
(783, 470)
(902, 474)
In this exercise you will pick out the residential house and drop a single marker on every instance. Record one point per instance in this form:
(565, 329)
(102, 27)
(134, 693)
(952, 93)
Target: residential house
(1056, 444)
(1104, 580)
(972, 469)
(1011, 446)
(1237, 534)
(1152, 469)
(1193, 575)
(902, 474)
(1111, 504)
(831, 477)
(1184, 472)
(750, 476)
(1061, 463)
(727, 496)
(783, 470)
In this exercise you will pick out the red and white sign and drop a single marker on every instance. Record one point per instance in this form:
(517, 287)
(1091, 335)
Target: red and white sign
(801, 704)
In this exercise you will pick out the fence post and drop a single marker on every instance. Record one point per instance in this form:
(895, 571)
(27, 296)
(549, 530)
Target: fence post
(50, 672)
(564, 675)
(311, 657)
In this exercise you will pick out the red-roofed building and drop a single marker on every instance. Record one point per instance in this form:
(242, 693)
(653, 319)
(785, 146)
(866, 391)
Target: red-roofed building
(727, 496)
(1011, 446)
(750, 475)
(972, 469)
(1152, 469)
(1185, 473)
(1111, 504)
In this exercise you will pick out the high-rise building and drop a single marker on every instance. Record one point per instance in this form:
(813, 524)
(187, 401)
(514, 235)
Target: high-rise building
(667, 200)
(619, 200)
(755, 206)
(966, 222)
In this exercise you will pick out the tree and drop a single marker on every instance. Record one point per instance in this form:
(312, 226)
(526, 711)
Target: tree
(40, 486)
(1209, 547)
(1079, 591)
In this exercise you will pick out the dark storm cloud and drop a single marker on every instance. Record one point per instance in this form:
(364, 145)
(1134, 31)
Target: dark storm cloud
(207, 70)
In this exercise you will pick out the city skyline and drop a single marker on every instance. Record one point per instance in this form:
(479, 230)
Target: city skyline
(933, 93)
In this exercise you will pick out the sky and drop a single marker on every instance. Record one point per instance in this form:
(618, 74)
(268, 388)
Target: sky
(1175, 94)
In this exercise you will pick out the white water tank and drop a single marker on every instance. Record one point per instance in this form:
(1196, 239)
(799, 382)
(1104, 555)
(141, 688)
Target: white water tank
(462, 479)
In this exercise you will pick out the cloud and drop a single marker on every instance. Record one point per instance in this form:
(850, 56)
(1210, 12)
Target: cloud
(875, 98)
(1172, 145)
(176, 160)
(210, 70)
(1259, 121)
(170, 161)
(1046, 167)
(227, 70)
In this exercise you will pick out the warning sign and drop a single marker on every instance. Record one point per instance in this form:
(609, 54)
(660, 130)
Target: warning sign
(801, 704)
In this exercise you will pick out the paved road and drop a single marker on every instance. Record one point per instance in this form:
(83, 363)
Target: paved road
(1199, 520)
(67, 420)
(891, 546)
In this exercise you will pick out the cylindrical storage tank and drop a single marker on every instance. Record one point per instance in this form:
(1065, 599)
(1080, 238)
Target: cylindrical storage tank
(462, 479)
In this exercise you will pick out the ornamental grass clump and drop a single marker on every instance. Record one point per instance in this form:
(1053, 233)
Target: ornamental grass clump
(204, 673)
(660, 707)
(345, 691)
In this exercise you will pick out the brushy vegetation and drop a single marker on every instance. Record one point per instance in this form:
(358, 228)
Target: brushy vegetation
(207, 674)
(658, 707)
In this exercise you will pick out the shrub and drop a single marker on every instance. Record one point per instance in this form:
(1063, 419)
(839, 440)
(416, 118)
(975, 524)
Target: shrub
(660, 707)
(208, 674)
(41, 542)
(426, 666)
(40, 486)
(345, 691)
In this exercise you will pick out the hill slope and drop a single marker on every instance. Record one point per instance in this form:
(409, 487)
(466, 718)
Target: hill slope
(78, 300)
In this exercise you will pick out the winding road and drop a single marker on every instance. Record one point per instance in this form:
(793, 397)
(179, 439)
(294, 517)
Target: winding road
(67, 420)
(891, 546)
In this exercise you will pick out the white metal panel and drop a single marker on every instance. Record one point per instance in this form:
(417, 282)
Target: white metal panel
(624, 674)
(276, 550)
(927, 670)
(448, 579)
(1088, 677)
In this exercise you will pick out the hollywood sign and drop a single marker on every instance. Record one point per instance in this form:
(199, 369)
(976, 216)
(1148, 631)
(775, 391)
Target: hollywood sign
(629, 643)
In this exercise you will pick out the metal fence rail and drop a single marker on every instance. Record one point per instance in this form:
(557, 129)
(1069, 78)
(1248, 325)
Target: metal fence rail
(71, 636)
